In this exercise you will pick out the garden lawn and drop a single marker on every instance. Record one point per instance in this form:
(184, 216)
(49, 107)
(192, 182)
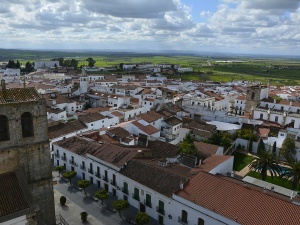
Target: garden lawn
(276, 180)
(241, 161)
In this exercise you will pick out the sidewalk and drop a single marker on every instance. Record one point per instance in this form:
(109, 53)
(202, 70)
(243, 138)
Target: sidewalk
(71, 212)
(77, 202)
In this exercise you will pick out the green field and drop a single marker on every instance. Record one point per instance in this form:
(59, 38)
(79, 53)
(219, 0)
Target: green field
(278, 71)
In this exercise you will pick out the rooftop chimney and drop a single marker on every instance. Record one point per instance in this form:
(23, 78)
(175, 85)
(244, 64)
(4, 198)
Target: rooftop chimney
(181, 185)
(3, 87)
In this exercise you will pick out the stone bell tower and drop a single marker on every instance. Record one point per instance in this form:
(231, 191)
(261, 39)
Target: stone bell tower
(253, 97)
(24, 145)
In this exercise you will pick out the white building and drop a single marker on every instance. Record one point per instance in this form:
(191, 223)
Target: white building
(47, 64)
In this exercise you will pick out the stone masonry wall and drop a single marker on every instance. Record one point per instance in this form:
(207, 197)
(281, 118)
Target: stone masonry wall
(31, 154)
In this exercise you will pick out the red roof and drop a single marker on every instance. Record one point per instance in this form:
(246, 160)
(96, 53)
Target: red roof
(149, 129)
(247, 205)
(12, 198)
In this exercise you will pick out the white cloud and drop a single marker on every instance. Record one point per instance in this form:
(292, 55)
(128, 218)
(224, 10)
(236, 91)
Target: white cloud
(236, 25)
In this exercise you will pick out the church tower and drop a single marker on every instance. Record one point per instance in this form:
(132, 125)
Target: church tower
(84, 84)
(254, 95)
(24, 145)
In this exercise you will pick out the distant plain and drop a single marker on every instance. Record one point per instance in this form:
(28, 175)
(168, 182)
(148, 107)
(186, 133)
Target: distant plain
(278, 70)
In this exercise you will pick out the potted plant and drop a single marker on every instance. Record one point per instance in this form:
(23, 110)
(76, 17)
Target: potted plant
(63, 200)
(84, 216)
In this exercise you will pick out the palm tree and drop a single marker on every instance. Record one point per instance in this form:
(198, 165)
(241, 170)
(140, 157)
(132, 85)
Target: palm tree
(292, 173)
(264, 162)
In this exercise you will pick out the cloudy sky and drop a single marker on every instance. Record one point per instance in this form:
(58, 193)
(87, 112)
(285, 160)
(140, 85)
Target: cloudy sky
(240, 26)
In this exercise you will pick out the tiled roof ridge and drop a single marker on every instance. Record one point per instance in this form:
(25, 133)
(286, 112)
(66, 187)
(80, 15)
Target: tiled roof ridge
(236, 194)
(153, 167)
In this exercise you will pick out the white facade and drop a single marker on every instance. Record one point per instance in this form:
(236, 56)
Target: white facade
(239, 106)
(183, 70)
(194, 212)
(11, 72)
(130, 114)
(70, 108)
(56, 116)
(48, 64)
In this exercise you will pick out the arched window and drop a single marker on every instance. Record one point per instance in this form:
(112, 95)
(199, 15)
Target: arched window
(253, 95)
(4, 131)
(184, 216)
(27, 125)
(200, 221)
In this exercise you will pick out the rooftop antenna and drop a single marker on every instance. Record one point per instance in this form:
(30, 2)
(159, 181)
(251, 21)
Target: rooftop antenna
(24, 82)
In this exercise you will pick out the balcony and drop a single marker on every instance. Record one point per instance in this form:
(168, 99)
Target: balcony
(148, 203)
(64, 158)
(125, 191)
(82, 167)
(72, 162)
(113, 182)
(97, 174)
(160, 210)
(105, 178)
(56, 155)
(91, 171)
(136, 196)
(182, 222)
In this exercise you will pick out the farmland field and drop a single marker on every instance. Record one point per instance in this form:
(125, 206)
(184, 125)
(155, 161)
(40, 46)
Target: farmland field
(279, 71)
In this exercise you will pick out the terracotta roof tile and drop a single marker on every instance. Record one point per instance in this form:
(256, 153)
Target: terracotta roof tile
(149, 129)
(12, 198)
(173, 121)
(118, 132)
(150, 116)
(65, 128)
(91, 117)
(60, 99)
(248, 205)
(162, 149)
(107, 152)
(19, 95)
(241, 97)
(205, 150)
(213, 161)
(164, 180)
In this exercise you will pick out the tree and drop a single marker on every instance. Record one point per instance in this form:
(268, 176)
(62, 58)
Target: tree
(14, 65)
(225, 139)
(261, 147)
(288, 149)
(187, 146)
(28, 68)
(69, 175)
(292, 173)
(59, 169)
(274, 148)
(83, 184)
(246, 134)
(221, 138)
(120, 205)
(91, 62)
(101, 194)
(264, 162)
(142, 218)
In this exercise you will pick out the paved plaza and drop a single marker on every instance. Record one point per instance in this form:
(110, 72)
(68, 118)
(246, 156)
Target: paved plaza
(77, 202)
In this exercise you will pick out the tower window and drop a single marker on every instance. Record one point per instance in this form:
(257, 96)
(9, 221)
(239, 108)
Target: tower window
(253, 95)
(4, 131)
(27, 125)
